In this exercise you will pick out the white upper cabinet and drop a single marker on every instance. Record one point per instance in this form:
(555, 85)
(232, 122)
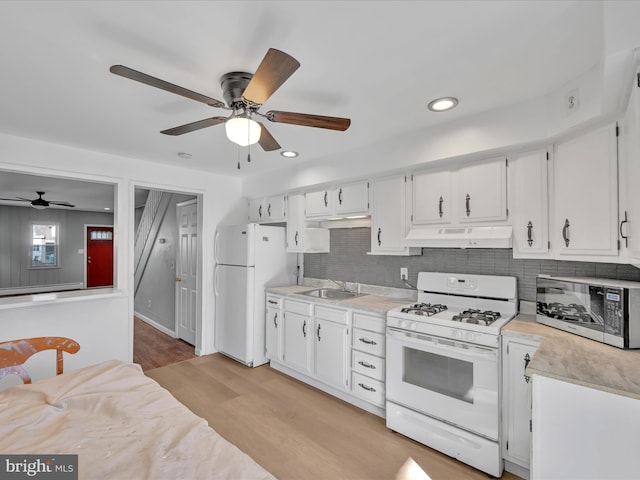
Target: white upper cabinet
(269, 209)
(389, 216)
(302, 238)
(630, 178)
(348, 199)
(482, 191)
(431, 197)
(585, 220)
(529, 197)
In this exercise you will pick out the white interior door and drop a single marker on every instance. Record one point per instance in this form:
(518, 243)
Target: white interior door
(187, 271)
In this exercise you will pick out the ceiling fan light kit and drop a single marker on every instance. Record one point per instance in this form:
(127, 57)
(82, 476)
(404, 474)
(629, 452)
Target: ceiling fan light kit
(244, 94)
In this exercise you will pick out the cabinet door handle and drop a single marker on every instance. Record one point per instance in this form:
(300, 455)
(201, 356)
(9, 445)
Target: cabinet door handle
(368, 342)
(296, 238)
(326, 198)
(318, 332)
(366, 364)
(366, 387)
(468, 204)
(340, 196)
(622, 235)
(275, 320)
(440, 202)
(565, 232)
(269, 210)
(527, 359)
(272, 302)
(260, 211)
(304, 329)
(379, 233)
(530, 233)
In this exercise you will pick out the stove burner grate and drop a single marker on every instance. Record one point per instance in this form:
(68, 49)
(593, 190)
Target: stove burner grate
(477, 317)
(427, 309)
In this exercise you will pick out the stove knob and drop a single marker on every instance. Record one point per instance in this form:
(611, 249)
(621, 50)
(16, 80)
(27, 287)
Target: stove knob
(403, 324)
(456, 334)
(413, 326)
(471, 337)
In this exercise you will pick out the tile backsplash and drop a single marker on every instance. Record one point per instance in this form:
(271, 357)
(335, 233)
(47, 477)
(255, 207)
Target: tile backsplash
(348, 261)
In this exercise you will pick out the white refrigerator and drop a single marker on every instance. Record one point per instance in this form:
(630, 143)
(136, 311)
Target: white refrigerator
(248, 258)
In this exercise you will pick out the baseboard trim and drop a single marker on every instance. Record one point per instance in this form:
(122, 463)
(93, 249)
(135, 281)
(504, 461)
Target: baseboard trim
(156, 325)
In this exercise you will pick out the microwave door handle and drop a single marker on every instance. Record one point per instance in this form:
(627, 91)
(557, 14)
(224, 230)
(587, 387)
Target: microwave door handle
(426, 342)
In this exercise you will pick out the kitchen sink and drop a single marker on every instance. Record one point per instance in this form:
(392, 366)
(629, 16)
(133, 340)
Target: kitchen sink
(331, 293)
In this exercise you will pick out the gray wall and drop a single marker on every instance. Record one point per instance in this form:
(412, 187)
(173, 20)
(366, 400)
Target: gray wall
(348, 261)
(15, 245)
(155, 298)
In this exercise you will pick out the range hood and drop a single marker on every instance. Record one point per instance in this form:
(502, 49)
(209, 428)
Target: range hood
(460, 237)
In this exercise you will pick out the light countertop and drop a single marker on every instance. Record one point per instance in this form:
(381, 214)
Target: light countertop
(574, 359)
(379, 304)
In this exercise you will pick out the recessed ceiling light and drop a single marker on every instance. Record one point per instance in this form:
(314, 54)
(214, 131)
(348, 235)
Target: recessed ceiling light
(289, 154)
(442, 104)
(107, 208)
(184, 155)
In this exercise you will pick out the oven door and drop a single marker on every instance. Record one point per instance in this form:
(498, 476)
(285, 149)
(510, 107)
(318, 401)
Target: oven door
(450, 380)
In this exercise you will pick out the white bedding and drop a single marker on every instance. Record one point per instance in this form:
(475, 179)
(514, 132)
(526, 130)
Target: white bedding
(122, 425)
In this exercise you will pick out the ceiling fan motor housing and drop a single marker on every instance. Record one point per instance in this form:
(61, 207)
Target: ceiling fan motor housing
(233, 86)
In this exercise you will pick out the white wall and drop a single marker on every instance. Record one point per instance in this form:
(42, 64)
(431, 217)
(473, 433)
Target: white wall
(221, 202)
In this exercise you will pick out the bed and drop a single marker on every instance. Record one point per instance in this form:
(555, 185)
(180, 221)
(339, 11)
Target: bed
(121, 424)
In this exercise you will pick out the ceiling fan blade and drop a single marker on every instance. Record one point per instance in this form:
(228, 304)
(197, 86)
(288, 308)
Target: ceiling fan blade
(161, 84)
(267, 142)
(62, 204)
(191, 127)
(276, 67)
(307, 120)
(16, 199)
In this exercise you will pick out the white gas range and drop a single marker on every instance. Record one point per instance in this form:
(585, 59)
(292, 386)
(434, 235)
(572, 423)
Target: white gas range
(443, 365)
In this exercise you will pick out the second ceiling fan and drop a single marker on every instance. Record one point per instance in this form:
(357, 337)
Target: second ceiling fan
(244, 94)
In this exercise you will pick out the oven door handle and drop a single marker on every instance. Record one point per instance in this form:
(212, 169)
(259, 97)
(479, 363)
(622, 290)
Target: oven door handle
(431, 343)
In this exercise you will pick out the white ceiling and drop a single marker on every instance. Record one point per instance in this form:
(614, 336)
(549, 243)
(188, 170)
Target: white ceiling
(377, 62)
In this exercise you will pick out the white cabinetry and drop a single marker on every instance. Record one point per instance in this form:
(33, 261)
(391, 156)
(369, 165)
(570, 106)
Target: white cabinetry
(630, 177)
(297, 335)
(431, 197)
(302, 238)
(529, 181)
(516, 408)
(331, 334)
(347, 199)
(273, 327)
(368, 358)
(269, 209)
(482, 191)
(586, 195)
(389, 216)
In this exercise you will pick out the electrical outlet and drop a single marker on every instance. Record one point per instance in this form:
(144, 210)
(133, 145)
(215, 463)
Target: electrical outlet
(149, 303)
(404, 273)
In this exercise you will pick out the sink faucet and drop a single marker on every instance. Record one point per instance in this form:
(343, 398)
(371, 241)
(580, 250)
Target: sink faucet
(342, 285)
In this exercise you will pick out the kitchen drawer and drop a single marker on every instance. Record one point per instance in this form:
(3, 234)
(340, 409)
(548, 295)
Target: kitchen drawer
(368, 389)
(331, 314)
(368, 365)
(369, 342)
(294, 306)
(369, 322)
(275, 302)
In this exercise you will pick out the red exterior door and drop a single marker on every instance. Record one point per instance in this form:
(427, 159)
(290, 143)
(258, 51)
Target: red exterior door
(99, 257)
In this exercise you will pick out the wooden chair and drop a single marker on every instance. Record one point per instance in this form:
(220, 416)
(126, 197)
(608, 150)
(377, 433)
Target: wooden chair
(15, 352)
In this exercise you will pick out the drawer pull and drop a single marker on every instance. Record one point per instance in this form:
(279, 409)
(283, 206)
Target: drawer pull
(273, 302)
(366, 364)
(368, 342)
(366, 387)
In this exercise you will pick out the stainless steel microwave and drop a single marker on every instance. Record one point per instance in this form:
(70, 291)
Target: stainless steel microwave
(604, 310)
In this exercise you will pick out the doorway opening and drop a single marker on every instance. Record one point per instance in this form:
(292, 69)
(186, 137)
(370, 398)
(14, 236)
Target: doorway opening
(162, 268)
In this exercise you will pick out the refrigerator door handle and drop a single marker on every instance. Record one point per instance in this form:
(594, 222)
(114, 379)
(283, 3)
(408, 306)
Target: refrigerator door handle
(216, 276)
(216, 246)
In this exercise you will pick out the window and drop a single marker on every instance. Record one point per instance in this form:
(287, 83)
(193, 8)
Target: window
(44, 247)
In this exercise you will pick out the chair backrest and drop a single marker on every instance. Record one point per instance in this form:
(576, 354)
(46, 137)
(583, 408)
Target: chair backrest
(15, 352)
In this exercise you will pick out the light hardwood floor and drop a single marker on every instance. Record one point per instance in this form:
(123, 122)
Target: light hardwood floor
(296, 431)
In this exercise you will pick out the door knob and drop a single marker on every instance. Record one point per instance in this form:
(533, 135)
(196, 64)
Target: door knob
(178, 279)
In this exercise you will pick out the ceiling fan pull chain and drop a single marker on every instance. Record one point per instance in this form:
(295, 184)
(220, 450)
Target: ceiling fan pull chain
(238, 157)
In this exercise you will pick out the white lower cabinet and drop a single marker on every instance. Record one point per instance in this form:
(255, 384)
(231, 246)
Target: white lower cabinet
(516, 404)
(297, 335)
(331, 334)
(338, 350)
(368, 358)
